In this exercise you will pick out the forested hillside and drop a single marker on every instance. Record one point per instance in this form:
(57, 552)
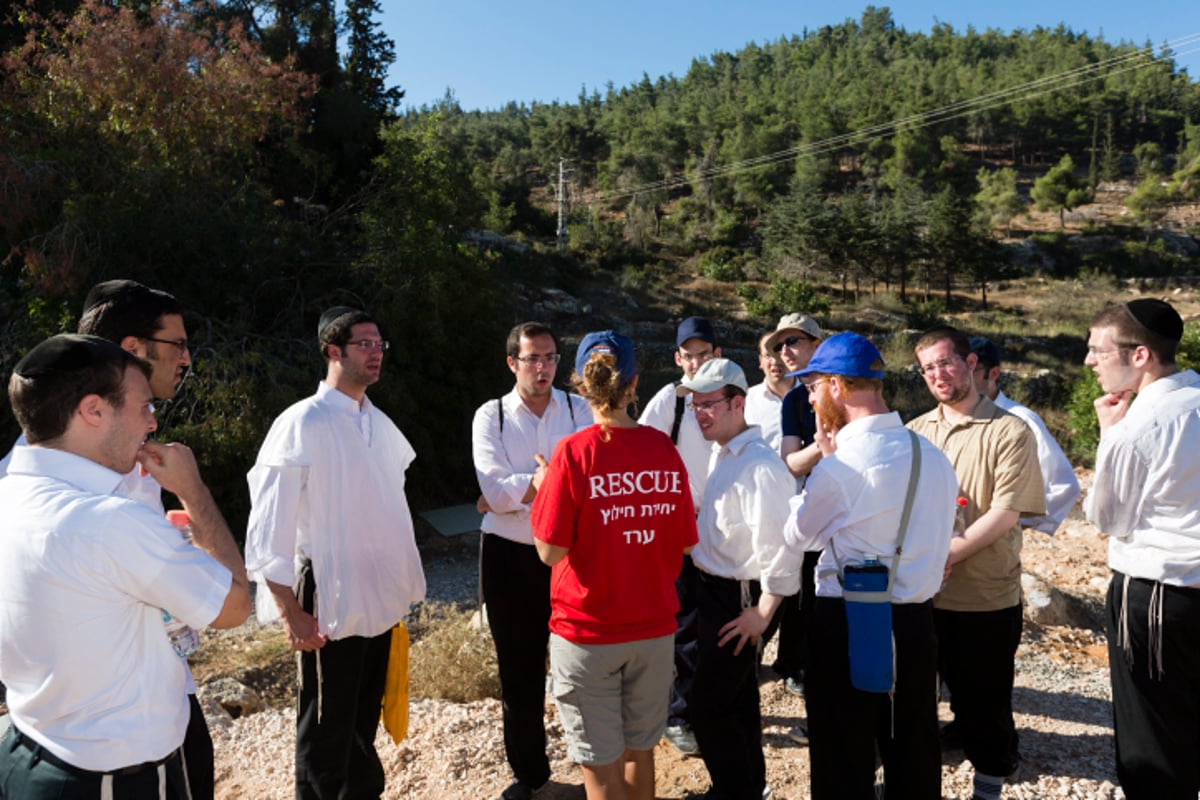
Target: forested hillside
(245, 156)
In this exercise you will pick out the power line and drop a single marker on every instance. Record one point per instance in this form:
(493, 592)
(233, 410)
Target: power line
(1138, 59)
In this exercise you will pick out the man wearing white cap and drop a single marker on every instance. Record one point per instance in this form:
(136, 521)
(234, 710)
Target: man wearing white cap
(743, 573)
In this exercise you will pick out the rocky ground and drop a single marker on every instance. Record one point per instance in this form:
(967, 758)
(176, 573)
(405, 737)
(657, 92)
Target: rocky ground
(456, 750)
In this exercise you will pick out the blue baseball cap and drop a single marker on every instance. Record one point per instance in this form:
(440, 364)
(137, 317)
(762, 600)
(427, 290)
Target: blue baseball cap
(608, 342)
(845, 354)
(695, 328)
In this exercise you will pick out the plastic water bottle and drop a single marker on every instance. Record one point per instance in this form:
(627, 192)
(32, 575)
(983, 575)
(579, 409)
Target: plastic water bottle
(960, 516)
(184, 638)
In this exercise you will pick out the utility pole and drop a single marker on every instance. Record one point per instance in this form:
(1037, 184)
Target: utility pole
(562, 206)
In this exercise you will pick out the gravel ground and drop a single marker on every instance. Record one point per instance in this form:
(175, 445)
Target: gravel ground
(457, 751)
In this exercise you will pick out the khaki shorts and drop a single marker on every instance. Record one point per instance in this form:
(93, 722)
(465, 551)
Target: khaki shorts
(612, 697)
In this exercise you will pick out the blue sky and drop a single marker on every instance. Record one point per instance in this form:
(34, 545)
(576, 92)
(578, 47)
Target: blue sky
(490, 52)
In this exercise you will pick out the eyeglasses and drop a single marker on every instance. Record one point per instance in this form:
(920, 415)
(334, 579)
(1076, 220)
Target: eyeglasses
(180, 345)
(539, 361)
(708, 407)
(371, 344)
(942, 364)
(791, 341)
(1096, 352)
(812, 385)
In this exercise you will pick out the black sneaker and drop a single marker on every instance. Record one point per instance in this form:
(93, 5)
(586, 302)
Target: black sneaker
(950, 736)
(518, 790)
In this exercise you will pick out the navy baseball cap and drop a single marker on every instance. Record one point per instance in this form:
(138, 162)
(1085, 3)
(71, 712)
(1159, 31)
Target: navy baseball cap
(986, 351)
(695, 328)
(846, 354)
(608, 342)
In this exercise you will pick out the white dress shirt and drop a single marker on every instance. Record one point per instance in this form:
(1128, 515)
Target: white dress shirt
(745, 508)
(1147, 481)
(852, 503)
(764, 408)
(329, 486)
(505, 461)
(693, 449)
(84, 574)
(1062, 487)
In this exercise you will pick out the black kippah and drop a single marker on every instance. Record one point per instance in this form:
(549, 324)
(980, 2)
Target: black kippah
(333, 315)
(1157, 316)
(66, 352)
(109, 290)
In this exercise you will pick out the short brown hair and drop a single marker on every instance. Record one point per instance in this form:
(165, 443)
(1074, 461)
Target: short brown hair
(527, 330)
(337, 333)
(942, 333)
(1130, 333)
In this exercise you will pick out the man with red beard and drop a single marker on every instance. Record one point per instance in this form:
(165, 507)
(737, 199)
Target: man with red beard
(512, 439)
(331, 537)
(852, 507)
(978, 610)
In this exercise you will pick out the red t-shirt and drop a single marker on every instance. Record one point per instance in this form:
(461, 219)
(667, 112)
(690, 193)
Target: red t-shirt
(624, 509)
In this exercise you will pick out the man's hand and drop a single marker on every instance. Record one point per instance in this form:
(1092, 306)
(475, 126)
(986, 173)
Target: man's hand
(1111, 408)
(825, 439)
(748, 626)
(481, 505)
(304, 633)
(174, 467)
(535, 483)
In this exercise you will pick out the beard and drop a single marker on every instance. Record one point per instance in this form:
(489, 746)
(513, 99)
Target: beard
(832, 417)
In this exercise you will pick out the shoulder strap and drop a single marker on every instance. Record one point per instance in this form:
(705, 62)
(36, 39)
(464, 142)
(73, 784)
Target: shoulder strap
(500, 412)
(913, 475)
(571, 409)
(679, 407)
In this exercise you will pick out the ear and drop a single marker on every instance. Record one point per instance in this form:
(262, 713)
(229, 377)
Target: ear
(678, 358)
(972, 361)
(512, 364)
(993, 374)
(716, 352)
(132, 344)
(92, 409)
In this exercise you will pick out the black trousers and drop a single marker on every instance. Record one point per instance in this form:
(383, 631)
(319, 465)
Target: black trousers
(846, 725)
(1156, 715)
(795, 621)
(516, 589)
(724, 704)
(977, 652)
(30, 772)
(337, 715)
(198, 753)
(686, 646)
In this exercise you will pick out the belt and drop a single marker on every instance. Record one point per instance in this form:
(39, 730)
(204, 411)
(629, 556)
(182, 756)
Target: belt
(45, 755)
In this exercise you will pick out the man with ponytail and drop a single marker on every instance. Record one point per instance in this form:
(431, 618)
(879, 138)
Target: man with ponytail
(613, 518)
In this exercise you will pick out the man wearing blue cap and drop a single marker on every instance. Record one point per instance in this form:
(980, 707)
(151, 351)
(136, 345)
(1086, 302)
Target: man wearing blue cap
(852, 506)
(1144, 497)
(330, 535)
(743, 574)
(695, 343)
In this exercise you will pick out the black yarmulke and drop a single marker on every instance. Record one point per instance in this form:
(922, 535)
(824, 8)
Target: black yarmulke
(111, 290)
(1157, 316)
(331, 316)
(66, 352)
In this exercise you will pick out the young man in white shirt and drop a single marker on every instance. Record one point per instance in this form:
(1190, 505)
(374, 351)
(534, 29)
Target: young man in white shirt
(1062, 487)
(852, 509)
(1144, 497)
(331, 536)
(96, 691)
(512, 439)
(764, 401)
(695, 343)
(742, 575)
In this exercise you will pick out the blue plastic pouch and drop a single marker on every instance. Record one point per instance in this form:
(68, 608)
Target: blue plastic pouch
(869, 625)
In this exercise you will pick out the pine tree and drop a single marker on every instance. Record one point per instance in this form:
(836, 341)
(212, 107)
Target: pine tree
(370, 55)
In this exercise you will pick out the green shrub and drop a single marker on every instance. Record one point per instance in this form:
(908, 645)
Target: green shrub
(926, 314)
(782, 296)
(723, 264)
(1081, 419)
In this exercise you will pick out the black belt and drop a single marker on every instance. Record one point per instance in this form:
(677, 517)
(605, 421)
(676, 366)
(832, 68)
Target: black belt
(45, 755)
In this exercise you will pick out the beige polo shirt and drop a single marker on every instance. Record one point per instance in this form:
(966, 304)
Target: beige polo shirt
(995, 457)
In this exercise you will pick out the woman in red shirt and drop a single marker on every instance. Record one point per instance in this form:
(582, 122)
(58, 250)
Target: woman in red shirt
(613, 517)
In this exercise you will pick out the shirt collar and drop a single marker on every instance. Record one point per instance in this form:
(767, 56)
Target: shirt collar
(984, 411)
(746, 437)
(513, 403)
(66, 466)
(871, 424)
(340, 401)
